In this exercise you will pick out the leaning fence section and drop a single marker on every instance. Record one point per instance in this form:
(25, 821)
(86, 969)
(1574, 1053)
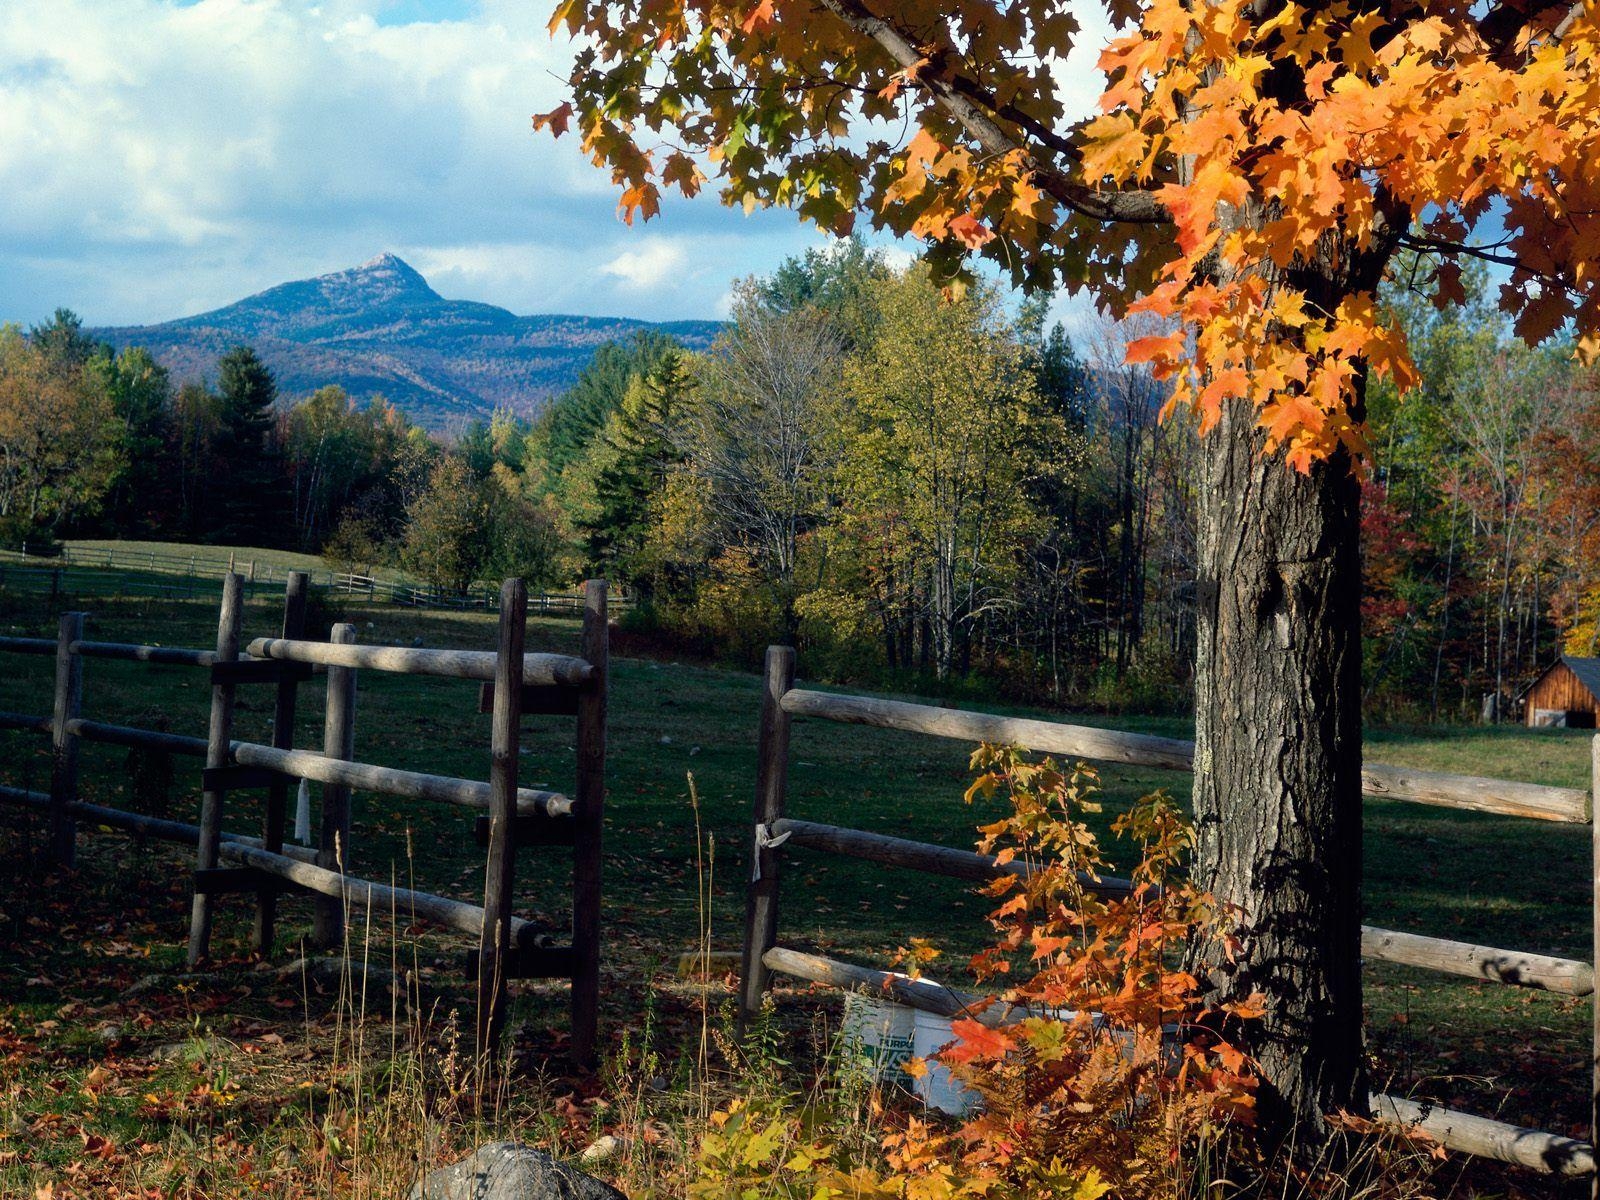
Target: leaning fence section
(775, 832)
(514, 684)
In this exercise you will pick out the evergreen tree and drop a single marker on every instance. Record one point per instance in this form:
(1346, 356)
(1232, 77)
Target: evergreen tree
(252, 509)
(63, 342)
(574, 418)
(839, 281)
(627, 468)
(140, 392)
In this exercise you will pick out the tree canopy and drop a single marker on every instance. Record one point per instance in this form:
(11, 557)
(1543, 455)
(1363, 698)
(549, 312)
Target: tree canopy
(1251, 170)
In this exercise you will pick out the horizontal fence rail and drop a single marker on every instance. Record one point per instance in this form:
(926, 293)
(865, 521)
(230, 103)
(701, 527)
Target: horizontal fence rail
(377, 897)
(927, 857)
(23, 645)
(537, 669)
(469, 793)
(508, 947)
(775, 831)
(174, 655)
(1085, 741)
(1548, 1153)
(478, 596)
(1484, 963)
(1515, 967)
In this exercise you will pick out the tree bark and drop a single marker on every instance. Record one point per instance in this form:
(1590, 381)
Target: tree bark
(1278, 762)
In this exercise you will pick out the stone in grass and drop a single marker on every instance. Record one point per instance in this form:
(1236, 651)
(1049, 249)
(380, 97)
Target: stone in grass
(511, 1171)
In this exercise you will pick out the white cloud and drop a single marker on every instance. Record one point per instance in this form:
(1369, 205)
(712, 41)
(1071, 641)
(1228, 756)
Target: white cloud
(154, 152)
(651, 265)
(160, 157)
(1078, 78)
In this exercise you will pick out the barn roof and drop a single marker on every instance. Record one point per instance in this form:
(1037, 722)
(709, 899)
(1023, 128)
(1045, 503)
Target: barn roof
(1586, 669)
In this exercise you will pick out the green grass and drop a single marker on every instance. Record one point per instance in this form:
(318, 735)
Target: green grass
(1498, 881)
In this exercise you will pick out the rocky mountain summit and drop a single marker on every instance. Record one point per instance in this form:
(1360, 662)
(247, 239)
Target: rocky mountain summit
(379, 329)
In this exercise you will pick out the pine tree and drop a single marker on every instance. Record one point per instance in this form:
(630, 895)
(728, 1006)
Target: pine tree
(251, 508)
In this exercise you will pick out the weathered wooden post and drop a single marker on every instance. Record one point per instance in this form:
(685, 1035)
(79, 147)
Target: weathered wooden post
(64, 745)
(220, 734)
(494, 943)
(338, 741)
(1594, 899)
(772, 781)
(283, 712)
(589, 817)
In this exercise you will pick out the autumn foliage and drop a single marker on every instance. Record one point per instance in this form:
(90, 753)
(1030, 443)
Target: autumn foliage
(1100, 1068)
(1251, 171)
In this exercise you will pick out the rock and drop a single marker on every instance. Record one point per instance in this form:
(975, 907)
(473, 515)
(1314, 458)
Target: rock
(327, 976)
(511, 1171)
(165, 983)
(601, 1148)
(195, 1050)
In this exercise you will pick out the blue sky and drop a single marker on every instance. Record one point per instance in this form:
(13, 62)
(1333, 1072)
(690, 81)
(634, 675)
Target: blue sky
(161, 157)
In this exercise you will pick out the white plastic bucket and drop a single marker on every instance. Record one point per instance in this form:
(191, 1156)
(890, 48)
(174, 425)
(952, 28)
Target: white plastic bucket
(877, 1036)
(936, 1087)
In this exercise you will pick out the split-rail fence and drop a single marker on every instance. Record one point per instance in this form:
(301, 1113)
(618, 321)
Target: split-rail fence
(775, 831)
(513, 684)
(120, 571)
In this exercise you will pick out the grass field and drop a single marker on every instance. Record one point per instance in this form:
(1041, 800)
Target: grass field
(219, 556)
(1496, 881)
(282, 560)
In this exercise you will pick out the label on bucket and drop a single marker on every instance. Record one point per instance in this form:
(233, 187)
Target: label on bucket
(878, 1036)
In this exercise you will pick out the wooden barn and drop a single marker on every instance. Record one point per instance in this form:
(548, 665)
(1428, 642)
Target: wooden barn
(1567, 694)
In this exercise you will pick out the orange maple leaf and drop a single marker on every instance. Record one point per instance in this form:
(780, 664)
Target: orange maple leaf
(972, 232)
(556, 120)
(977, 1040)
(759, 17)
(642, 198)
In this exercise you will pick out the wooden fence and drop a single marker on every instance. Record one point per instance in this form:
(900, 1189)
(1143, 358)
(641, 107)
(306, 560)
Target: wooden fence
(107, 571)
(478, 596)
(776, 831)
(513, 683)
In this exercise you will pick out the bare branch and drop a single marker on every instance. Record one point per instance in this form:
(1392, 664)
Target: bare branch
(969, 104)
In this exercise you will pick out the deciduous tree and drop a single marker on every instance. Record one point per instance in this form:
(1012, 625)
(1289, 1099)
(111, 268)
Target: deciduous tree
(1252, 171)
(57, 439)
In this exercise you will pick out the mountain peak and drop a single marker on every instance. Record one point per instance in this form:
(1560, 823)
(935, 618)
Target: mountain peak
(380, 280)
(387, 261)
(379, 329)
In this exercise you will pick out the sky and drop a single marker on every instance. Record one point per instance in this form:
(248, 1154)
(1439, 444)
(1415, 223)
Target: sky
(159, 158)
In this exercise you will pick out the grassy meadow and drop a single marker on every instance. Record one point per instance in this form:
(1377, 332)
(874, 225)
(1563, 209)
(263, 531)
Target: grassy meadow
(254, 1050)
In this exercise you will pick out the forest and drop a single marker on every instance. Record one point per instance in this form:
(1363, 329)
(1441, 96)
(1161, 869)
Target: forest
(912, 487)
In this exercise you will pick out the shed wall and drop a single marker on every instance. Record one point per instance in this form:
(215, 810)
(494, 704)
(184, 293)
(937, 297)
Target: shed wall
(1562, 690)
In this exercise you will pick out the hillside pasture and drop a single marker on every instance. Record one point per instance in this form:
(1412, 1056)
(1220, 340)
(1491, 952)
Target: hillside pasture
(1496, 881)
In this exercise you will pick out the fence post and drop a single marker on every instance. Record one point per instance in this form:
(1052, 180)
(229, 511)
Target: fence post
(589, 815)
(338, 741)
(283, 711)
(772, 782)
(220, 733)
(64, 745)
(504, 749)
(1594, 828)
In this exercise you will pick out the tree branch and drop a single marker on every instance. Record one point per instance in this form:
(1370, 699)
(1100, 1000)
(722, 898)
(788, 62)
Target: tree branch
(1503, 23)
(968, 104)
(1432, 245)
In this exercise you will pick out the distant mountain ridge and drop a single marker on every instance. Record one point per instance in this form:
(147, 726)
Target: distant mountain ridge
(380, 329)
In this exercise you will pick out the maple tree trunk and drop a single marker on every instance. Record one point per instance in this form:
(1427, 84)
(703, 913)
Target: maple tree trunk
(1277, 790)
